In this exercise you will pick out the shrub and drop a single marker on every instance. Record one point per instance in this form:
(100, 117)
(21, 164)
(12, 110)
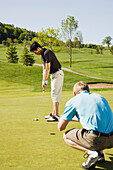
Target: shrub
(12, 54)
(97, 51)
(27, 59)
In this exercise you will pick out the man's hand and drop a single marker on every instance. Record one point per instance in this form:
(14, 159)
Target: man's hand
(44, 84)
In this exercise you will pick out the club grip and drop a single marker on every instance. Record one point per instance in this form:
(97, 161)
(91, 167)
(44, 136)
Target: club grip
(44, 89)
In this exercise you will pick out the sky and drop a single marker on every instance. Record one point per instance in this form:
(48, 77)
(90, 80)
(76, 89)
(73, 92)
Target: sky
(95, 17)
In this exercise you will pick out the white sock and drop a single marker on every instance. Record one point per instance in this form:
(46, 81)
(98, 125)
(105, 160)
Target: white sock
(93, 153)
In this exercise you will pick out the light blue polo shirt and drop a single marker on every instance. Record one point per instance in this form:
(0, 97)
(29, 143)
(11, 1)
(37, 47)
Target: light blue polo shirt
(92, 110)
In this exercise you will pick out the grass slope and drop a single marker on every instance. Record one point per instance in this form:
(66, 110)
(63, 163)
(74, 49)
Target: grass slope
(33, 76)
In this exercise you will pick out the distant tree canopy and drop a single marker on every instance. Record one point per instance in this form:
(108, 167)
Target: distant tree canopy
(48, 37)
(107, 41)
(9, 31)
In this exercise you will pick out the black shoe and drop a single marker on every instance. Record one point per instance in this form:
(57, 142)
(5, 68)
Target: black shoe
(92, 159)
(101, 158)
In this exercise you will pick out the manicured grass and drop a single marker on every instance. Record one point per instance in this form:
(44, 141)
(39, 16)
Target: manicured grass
(17, 73)
(27, 144)
(96, 65)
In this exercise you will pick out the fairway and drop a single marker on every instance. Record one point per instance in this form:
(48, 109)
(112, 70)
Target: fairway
(26, 144)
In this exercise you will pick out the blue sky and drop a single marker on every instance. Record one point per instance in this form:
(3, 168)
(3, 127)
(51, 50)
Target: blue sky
(95, 17)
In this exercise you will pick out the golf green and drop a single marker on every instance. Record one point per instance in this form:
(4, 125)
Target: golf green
(26, 144)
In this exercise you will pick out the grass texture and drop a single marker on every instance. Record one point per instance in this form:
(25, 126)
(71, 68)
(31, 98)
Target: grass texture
(26, 144)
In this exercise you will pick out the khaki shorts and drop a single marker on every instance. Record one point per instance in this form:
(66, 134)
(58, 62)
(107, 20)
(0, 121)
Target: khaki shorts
(88, 140)
(56, 85)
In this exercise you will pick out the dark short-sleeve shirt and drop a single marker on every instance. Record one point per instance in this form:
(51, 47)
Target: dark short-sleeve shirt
(49, 57)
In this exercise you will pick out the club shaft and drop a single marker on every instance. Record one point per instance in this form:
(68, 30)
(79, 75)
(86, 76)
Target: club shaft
(39, 104)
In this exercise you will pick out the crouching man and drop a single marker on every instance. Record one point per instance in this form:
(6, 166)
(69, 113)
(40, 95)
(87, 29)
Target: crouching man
(96, 118)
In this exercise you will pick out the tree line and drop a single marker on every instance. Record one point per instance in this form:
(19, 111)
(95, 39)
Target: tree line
(17, 35)
(51, 37)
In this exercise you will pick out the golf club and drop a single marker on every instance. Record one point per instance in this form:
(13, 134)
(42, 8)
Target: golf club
(36, 119)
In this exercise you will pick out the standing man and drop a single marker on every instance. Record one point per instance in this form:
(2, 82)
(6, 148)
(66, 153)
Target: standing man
(51, 66)
(96, 118)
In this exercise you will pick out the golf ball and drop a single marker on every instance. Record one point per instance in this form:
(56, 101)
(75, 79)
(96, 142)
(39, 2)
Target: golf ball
(35, 119)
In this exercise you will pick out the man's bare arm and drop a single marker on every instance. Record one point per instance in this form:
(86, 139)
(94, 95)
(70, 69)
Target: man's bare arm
(46, 71)
(62, 124)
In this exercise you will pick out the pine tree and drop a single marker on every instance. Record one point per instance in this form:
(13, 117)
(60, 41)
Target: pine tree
(12, 54)
(27, 59)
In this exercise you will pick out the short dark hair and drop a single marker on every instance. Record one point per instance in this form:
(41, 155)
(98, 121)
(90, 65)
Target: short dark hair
(34, 46)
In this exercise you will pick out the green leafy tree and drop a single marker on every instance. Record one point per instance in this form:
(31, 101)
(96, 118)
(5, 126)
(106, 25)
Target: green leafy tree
(111, 49)
(27, 59)
(68, 28)
(21, 37)
(107, 41)
(97, 50)
(41, 38)
(15, 40)
(75, 42)
(101, 48)
(80, 39)
(8, 42)
(4, 42)
(52, 37)
(48, 37)
(12, 54)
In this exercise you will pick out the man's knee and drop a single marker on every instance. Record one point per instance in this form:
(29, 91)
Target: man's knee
(64, 136)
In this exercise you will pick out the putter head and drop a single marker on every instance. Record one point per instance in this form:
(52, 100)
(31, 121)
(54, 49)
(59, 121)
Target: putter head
(35, 119)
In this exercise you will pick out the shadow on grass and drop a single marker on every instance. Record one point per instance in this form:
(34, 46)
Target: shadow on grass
(74, 61)
(105, 67)
(108, 165)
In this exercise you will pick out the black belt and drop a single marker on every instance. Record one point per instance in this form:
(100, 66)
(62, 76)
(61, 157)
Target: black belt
(101, 134)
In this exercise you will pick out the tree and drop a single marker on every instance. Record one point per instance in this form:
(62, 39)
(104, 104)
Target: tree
(15, 40)
(68, 28)
(101, 49)
(12, 54)
(75, 42)
(27, 59)
(97, 50)
(107, 41)
(52, 37)
(80, 39)
(111, 49)
(49, 38)
(8, 42)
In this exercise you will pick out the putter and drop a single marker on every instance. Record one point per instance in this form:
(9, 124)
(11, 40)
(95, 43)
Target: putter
(36, 119)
